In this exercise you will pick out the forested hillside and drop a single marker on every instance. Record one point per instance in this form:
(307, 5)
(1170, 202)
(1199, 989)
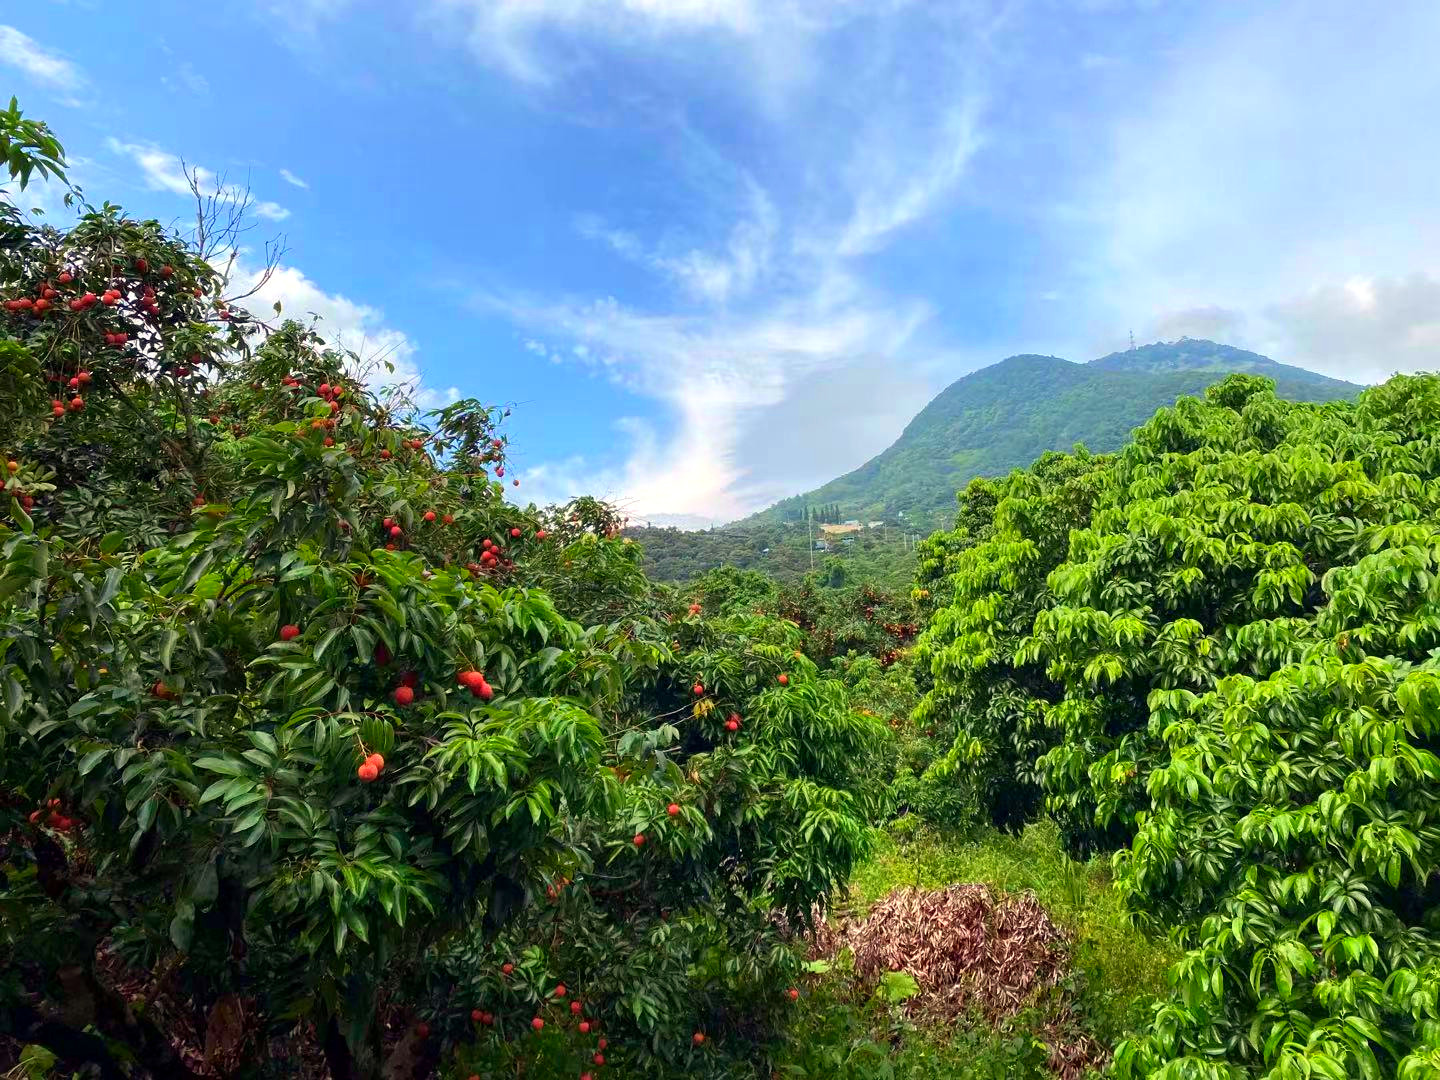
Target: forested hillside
(784, 551)
(1004, 416)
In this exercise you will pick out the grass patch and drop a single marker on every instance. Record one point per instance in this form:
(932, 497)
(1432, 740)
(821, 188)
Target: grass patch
(1117, 971)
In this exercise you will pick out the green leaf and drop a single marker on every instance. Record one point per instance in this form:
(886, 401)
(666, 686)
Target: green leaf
(182, 926)
(167, 646)
(224, 766)
(207, 885)
(18, 512)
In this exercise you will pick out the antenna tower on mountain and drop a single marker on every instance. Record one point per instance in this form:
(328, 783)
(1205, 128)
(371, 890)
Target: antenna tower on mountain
(1132, 340)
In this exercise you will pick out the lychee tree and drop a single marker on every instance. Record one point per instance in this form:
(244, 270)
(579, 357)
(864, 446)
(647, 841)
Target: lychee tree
(295, 707)
(1232, 665)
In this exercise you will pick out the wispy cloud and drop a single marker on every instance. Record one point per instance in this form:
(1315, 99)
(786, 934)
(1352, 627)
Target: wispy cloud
(508, 33)
(290, 178)
(773, 308)
(304, 16)
(893, 189)
(20, 51)
(188, 78)
(744, 259)
(716, 375)
(164, 171)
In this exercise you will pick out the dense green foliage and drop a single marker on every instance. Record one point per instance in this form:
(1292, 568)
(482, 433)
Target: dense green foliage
(306, 727)
(785, 552)
(1219, 649)
(837, 622)
(1005, 416)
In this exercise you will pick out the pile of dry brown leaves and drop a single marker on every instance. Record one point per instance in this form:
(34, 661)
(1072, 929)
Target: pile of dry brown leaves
(973, 952)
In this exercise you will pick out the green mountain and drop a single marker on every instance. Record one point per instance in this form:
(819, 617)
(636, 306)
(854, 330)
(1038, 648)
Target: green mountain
(1004, 416)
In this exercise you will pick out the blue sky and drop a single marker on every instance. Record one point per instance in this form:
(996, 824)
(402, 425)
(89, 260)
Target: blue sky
(715, 252)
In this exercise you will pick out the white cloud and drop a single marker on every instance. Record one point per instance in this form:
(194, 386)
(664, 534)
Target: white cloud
(303, 16)
(504, 33)
(290, 178)
(714, 276)
(776, 338)
(1211, 322)
(1364, 329)
(20, 51)
(893, 189)
(344, 323)
(715, 375)
(185, 76)
(1272, 190)
(164, 171)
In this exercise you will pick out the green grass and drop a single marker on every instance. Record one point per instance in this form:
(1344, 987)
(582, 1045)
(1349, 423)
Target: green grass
(1117, 970)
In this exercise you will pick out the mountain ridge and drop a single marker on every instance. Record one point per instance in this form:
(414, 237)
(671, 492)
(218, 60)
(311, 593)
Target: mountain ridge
(1003, 416)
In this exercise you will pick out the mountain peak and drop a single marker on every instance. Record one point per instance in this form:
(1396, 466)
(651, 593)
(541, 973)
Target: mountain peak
(1198, 354)
(1006, 415)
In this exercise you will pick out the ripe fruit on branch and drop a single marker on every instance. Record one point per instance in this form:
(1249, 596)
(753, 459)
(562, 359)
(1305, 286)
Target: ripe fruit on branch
(699, 689)
(584, 1027)
(367, 773)
(559, 991)
(639, 840)
(475, 1015)
(794, 994)
(404, 696)
(288, 632)
(396, 531)
(783, 680)
(575, 1008)
(537, 1023)
(732, 725)
(599, 1058)
(673, 809)
(697, 1038)
(376, 760)
(430, 515)
(506, 969)
(539, 534)
(515, 533)
(385, 455)
(448, 519)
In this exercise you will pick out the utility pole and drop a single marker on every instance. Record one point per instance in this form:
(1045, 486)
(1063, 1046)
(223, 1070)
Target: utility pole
(810, 521)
